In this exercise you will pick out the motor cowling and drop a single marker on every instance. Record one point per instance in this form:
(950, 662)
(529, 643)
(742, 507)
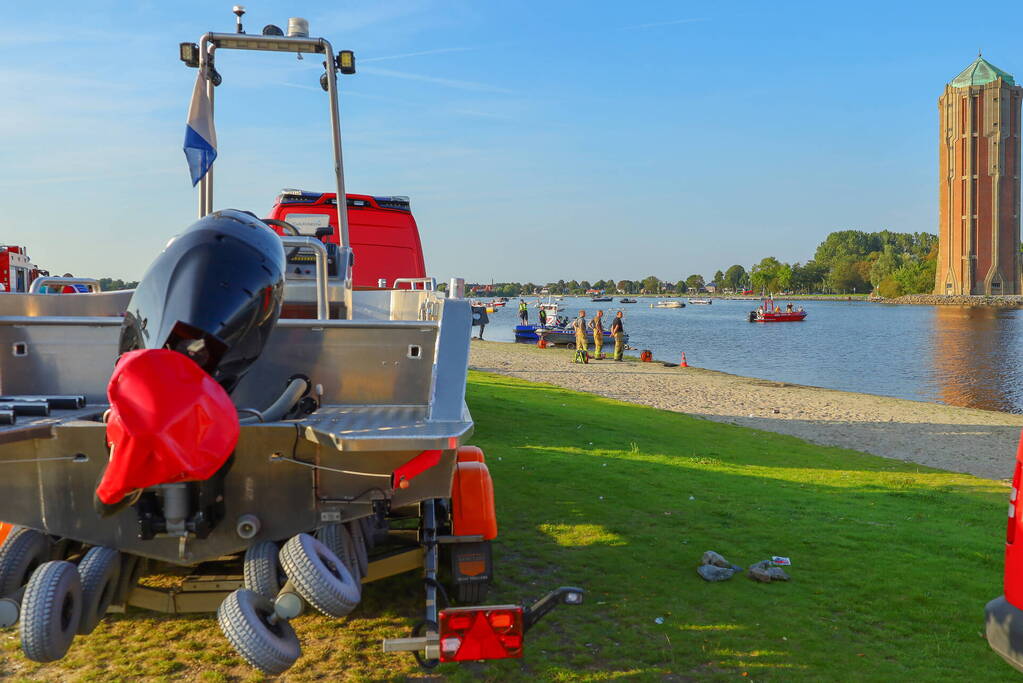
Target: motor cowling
(197, 321)
(214, 294)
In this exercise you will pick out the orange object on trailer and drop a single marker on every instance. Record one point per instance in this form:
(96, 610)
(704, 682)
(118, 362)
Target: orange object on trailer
(470, 454)
(472, 501)
(5, 531)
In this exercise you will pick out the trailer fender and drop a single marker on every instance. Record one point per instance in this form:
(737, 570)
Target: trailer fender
(470, 454)
(472, 501)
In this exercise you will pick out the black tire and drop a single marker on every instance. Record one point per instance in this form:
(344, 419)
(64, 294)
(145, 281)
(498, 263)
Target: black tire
(100, 570)
(23, 552)
(50, 611)
(15, 530)
(471, 593)
(243, 618)
(339, 540)
(368, 531)
(319, 576)
(359, 542)
(262, 569)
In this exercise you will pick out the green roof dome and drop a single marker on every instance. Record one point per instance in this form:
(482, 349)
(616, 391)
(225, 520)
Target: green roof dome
(979, 73)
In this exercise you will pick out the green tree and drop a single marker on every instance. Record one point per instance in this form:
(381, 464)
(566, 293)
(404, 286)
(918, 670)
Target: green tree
(846, 276)
(765, 275)
(695, 282)
(719, 278)
(735, 278)
(884, 265)
(651, 284)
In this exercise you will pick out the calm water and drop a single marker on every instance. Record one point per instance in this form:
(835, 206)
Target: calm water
(946, 354)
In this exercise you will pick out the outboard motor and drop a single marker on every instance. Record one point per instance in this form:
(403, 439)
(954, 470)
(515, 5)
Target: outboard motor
(199, 318)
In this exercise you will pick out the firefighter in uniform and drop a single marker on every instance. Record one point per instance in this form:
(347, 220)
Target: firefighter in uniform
(618, 332)
(598, 335)
(579, 325)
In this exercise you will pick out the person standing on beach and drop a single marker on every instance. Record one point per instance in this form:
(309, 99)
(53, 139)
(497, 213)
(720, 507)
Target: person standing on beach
(523, 312)
(618, 332)
(598, 335)
(579, 325)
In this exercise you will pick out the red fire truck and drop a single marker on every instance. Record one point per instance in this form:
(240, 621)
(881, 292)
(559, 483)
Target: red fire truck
(382, 233)
(16, 270)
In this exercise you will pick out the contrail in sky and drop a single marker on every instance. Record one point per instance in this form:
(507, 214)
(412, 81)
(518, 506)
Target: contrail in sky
(664, 23)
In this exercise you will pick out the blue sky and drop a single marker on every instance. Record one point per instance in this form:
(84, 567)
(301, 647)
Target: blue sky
(537, 140)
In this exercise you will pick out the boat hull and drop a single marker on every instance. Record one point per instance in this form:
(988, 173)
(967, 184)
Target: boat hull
(794, 317)
(568, 337)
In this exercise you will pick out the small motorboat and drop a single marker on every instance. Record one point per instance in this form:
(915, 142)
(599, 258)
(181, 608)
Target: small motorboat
(626, 300)
(600, 299)
(668, 304)
(701, 302)
(769, 312)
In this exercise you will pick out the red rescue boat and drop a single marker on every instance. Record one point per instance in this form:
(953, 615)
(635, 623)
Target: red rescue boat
(769, 312)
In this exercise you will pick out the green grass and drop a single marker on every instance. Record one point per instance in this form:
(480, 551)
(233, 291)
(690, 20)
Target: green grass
(892, 562)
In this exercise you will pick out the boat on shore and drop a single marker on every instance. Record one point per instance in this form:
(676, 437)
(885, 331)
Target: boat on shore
(668, 304)
(769, 312)
(701, 302)
(566, 336)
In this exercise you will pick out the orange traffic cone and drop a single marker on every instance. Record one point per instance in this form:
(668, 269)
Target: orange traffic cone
(683, 363)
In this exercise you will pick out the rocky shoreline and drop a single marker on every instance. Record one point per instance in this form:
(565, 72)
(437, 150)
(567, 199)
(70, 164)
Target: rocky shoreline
(995, 301)
(978, 442)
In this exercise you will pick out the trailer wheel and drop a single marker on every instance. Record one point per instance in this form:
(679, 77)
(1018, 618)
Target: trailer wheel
(262, 569)
(244, 617)
(100, 570)
(320, 577)
(21, 554)
(359, 543)
(339, 540)
(51, 611)
(472, 593)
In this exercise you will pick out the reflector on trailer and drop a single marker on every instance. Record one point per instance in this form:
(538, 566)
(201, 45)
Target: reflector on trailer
(473, 633)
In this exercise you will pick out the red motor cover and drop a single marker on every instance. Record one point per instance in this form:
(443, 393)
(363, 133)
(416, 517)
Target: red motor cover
(169, 422)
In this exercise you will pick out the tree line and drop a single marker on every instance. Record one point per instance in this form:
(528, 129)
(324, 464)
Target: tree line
(847, 261)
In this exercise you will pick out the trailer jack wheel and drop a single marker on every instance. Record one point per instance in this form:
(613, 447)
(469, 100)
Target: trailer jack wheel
(51, 611)
(264, 641)
(418, 632)
(319, 576)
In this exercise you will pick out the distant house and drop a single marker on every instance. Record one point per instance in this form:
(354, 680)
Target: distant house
(711, 287)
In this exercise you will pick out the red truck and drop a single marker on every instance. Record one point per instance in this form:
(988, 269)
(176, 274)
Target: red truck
(381, 230)
(16, 270)
(1004, 614)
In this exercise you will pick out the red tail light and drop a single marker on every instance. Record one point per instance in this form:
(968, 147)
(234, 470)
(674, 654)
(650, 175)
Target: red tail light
(473, 633)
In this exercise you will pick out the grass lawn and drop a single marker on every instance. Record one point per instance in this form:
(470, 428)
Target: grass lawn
(892, 562)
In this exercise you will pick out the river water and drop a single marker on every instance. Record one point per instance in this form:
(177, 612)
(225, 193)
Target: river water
(945, 354)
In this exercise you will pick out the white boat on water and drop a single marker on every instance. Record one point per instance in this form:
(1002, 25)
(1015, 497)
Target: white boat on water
(702, 302)
(668, 304)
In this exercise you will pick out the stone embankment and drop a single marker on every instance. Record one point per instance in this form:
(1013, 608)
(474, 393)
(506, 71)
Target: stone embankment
(956, 300)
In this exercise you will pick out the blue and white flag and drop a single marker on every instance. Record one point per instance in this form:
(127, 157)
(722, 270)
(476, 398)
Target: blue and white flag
(200, 135)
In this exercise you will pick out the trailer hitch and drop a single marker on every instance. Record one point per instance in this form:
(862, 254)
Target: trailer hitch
(566, 595)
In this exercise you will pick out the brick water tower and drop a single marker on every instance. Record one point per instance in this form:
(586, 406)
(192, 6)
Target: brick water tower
(979, 188)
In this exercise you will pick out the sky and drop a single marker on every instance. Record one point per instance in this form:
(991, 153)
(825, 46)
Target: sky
(537, 140)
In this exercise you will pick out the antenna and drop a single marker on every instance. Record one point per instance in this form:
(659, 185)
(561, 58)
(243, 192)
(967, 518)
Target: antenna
(239, 10)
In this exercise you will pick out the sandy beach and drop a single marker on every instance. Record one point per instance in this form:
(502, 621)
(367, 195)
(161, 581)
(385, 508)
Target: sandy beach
(978, 442)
